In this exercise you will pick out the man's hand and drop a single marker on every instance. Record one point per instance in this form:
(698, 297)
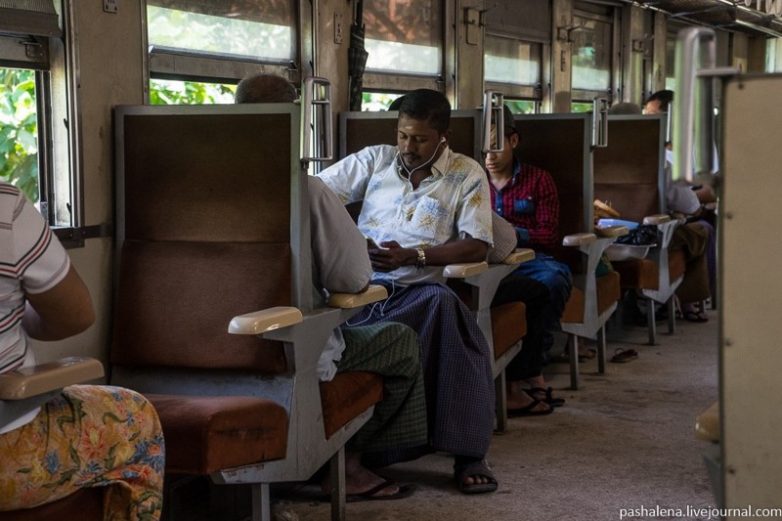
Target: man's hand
(391, 256)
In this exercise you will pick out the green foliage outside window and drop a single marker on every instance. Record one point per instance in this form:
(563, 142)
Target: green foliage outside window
(581, 106)
(19, 130)
(175, 92)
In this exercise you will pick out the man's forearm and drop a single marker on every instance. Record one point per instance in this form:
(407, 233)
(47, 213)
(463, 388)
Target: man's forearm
(455, 252)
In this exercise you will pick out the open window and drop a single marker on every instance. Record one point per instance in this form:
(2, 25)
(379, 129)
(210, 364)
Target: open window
(40, 130)
(199, 50)
(592, 59)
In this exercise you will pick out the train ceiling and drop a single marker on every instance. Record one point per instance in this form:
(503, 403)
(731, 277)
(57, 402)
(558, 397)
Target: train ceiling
(735, 15)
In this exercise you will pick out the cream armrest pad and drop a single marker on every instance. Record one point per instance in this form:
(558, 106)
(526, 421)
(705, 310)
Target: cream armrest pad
(373, 293)
(707, 424)
(578, 239)
(260, 322)
(462, 271)
(659, 218)
(43, 378)
(612, 231)
(519, 256)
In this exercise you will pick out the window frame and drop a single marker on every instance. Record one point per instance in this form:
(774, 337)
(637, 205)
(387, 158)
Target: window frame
(515, 90)
(175, 64)
(614, 66)
(60, 172)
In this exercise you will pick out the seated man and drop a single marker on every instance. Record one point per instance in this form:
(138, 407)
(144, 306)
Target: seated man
(88, 436)
(527, 392)
(341, 265)
(697, 237)
(425, 206)
(526, 196)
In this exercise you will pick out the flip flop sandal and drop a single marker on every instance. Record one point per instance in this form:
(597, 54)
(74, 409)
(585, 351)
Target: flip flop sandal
(694, 316)
(529, 410)
(535, 392)
(476, 468)
(405, 490)
(587, 354)
(622, 356)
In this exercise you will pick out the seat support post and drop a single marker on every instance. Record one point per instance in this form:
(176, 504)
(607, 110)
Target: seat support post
(501, 401)
(672, 315)
(601, 350)
(651, 323)
(337, 469)
(573, 355)
(261, 502)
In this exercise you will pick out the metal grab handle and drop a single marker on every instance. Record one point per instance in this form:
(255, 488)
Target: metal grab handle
(493, 103)
(600, 122)
(692, 115)
(316, 115)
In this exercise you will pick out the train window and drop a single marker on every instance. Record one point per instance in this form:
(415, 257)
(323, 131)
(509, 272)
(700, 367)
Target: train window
(39, 117)
(183, 92)
(403, 37)
(670, 61)
(378, 101)
(507, 60)
(774, 55)
(592, 51)
(581, 106)
(523, 106)
(190, 39)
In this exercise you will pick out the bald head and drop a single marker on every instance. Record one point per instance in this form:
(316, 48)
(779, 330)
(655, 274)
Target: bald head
(265, 88)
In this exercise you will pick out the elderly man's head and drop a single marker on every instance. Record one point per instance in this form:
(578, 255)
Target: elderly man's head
(265, 88)
(658, 102)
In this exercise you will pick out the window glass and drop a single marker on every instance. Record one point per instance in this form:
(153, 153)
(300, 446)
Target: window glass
(507, 60)
(773, 55)
(404, 36)
(581, 106)
(591, 54)
(378, 101)
(176, 92)
(19, 130)
(521, 106)
(260, 29)
(670, 61)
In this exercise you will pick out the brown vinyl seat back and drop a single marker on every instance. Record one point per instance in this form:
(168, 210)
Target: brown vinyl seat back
(204, 233)
(362, 129)
(629, 172)
(561, 145)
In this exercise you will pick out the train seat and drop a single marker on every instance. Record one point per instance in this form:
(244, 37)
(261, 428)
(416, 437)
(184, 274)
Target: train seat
(214, 307)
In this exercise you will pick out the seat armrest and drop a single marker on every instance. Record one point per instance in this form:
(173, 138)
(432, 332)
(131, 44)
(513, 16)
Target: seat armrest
(259, 322)
(659, 218)
(578, 239)
(519, 256)
(612, 231)
(462, 271)
(373, 293)
(39, 379)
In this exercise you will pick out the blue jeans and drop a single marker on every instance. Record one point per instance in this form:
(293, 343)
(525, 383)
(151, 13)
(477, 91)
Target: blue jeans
(557, 278)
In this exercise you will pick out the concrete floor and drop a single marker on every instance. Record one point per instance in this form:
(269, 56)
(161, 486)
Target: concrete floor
(622, 442)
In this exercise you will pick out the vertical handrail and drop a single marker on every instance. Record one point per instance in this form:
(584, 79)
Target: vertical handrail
(493, 104)
(692, 115)
(600, 122)
(317, 120)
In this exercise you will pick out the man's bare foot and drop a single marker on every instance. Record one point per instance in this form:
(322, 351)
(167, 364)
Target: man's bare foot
(359, 479)
(518, 399)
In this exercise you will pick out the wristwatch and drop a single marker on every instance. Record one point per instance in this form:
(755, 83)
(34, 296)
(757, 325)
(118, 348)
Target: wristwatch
(421, 261)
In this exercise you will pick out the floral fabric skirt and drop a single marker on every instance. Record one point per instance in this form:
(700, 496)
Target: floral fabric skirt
(89, 436)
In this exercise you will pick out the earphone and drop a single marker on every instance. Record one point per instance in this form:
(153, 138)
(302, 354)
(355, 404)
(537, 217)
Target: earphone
(424, 164)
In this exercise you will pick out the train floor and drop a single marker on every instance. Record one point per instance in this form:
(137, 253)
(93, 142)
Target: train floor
(623, 441)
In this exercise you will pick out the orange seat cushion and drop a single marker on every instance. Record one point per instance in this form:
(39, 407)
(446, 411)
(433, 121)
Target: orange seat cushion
(508, 326)
(638, 273)
(85, 505)
(608, 292)
(205, 434)
(348, 395)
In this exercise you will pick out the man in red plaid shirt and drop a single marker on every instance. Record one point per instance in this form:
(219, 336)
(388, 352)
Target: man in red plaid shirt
(526, 196)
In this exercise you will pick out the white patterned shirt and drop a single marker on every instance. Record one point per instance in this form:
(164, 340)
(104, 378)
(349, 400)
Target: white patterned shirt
(452, 203)
(32, 260)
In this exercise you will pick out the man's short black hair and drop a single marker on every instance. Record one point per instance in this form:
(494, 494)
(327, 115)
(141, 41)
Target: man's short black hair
(265, 88)
(664, 97)
(428, 105)
(396, 103)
